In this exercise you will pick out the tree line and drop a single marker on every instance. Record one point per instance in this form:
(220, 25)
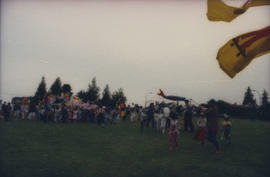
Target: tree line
(249, 107)
(91, 94)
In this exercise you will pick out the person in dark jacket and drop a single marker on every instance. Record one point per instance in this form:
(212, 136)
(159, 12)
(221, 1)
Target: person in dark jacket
(212, 124)
(64, 113)
(6, 109)
(101, 116)
(188, 124)
(150, 115)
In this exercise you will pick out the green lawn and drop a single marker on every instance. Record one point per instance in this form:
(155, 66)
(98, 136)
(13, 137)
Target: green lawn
(33, 149)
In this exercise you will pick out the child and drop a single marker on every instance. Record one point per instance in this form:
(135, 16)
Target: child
(227, 128)
(173, 132)
(200, 134)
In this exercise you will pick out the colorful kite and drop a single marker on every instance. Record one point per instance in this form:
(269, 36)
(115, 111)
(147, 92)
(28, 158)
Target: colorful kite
(219, 11)
(174, 98)
(238, 52)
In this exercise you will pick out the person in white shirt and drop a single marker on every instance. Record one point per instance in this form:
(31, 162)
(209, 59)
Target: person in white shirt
(166, 119)
(200, 134)
(157, 117)
(143, 118)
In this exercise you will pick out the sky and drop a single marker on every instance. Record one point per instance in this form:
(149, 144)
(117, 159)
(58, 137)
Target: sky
(140, 46)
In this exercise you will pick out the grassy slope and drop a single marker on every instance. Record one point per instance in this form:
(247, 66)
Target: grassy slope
(38, 149)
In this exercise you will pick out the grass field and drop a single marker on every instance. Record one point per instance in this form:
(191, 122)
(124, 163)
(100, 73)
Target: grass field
(33, 149)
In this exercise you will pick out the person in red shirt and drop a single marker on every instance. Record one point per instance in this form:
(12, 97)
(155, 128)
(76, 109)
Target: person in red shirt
(173, 130)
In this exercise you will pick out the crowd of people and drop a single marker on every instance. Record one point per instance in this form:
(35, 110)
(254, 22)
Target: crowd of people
(162, 117)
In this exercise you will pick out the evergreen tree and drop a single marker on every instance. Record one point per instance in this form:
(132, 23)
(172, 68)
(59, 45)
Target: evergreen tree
(66, 88)
(249, 98)
(118, 97)
(93, 91)
(264, 110)
(264, 98)
(41, 90)
(82, 95)
(106, 97)
(56, 87)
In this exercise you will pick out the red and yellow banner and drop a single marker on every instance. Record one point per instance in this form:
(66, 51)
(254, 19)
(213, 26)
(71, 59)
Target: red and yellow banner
(238, 52)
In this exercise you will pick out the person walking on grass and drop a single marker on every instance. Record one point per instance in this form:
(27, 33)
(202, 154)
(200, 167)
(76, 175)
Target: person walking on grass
(200, 134)
(173, 130)
(212, 124)
(227, 129)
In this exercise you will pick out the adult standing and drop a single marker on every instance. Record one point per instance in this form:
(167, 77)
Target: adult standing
(64, 113)
(143, 118)
(113, 115)
(166, 113)
(24, 111)
(212, 124)
(17, 110)
(188, 117)
(5, 111)
(101, 116)
(128, 112)
(173, 131)
(150, 115)
(32, 111)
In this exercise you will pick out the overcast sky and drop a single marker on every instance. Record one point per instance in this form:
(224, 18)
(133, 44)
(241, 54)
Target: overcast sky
(140, 46)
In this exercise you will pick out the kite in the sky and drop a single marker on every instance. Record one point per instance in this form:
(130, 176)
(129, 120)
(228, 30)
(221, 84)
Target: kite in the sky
(238, 52)
(219, 11)
(174, 98)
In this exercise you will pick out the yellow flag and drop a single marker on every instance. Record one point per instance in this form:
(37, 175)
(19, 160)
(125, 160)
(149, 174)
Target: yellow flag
(219, 11)
(238, 52)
